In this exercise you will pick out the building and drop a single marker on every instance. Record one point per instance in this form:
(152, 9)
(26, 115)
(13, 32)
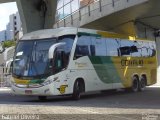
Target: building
(2, 35)
(8, 34)
(85, 2)
(14, 27)
(68, 7)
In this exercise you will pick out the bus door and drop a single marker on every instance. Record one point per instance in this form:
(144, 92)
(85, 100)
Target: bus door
(59, 67)
(58, 62)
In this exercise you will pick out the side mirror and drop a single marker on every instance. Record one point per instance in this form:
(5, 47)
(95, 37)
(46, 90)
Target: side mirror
(53, 48)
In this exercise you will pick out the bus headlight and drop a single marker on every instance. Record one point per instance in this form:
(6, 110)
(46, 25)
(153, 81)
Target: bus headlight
(47, 82)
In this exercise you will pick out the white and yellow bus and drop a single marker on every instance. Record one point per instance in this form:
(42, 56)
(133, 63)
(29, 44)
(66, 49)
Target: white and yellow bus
(71, 61)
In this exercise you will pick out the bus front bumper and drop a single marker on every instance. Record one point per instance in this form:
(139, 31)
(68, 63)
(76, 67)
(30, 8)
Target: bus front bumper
(37, 91)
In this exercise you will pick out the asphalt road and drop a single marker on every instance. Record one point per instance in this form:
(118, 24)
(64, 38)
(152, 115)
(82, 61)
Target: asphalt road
(119, 105)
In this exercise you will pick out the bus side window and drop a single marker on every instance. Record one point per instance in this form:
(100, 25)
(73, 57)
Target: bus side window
(98, 47)
(58, 62)
(112, 47)
(144, 48)
(81, 50)
(151, 49)
(68, 39)
(82, 47)
(127, 48)
(93, 50)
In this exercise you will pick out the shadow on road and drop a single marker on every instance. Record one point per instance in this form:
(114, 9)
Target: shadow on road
(148, 99)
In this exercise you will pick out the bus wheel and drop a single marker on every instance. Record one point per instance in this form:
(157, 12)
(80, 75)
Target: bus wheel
(42, 98)
(76, 91)
(142, 84)
(135, 84)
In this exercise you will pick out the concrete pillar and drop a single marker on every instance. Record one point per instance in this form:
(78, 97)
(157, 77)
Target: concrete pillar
(143, 30)
(158, 58)
(35, 16)
(50, 15)
(128, 28)
(146, 31)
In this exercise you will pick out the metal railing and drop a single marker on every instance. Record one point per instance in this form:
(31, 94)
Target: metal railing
(5, 77)
(87, 7)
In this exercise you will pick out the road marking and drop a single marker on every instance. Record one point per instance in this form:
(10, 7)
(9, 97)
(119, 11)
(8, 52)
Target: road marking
(89, 111)
(116, 116)
(122, 117)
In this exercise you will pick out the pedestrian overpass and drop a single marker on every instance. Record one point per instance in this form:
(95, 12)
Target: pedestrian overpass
(132, 17)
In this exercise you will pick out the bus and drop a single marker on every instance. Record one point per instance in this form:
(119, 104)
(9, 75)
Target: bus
(7, 58)
(73, 61)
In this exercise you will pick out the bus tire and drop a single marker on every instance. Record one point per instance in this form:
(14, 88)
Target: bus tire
(135, 84)
(142, 83)
(42, 98)
(77, 90)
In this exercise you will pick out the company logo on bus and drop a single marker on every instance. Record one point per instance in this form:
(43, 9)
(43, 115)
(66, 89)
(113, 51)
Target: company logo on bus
(132, 62)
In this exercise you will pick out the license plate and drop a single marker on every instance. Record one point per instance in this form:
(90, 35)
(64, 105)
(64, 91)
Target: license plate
(28, 92)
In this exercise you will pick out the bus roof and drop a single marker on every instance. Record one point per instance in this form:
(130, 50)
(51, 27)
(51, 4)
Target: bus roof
(51, 33)
(48, 33)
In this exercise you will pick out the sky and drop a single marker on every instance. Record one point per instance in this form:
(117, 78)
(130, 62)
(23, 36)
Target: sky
(6, 9)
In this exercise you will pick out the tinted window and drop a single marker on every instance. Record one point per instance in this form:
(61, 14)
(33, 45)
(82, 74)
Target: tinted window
(147, 48)
(66, 49)
(69, 42)
(99, 46)
(152, 48)
(112, 47)
(137, 53)
(83, 46)
(129, 48)
(95, 46)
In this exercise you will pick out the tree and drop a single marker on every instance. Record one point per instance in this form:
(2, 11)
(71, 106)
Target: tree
(9, 43)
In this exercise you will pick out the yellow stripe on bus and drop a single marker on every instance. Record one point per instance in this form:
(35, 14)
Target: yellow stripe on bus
(20, 81)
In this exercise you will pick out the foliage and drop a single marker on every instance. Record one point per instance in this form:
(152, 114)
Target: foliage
(9, 43)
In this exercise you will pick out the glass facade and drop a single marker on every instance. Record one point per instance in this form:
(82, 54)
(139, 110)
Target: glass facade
(68, 7)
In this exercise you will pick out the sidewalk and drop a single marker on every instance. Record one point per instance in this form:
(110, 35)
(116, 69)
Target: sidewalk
(5, 90)
(157, 84)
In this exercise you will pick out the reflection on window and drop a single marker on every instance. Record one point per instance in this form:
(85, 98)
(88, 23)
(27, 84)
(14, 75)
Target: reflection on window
(127, 48)
(137, 52)
(112, 47)
(85, 2)
(100, 46)
(147, 48)
(82, 50)
(60, 14)
(39, 58)
(67, 7)
(152, 50)
(83, 46)
(62, 53)
(67, 10)
(94, 46)
(69, 39)
(66, 2)
(74, 5)
(59, 4)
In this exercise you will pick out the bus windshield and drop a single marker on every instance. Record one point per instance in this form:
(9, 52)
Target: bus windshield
(31, 57)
